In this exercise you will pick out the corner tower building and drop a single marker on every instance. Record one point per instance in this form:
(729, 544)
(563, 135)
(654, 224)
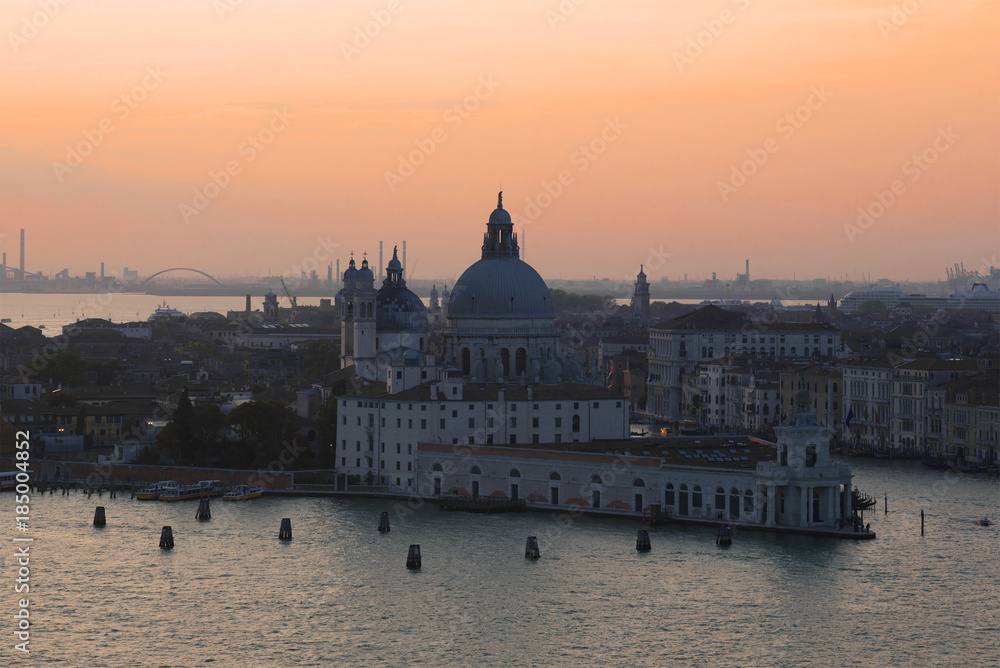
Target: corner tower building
(501, 325)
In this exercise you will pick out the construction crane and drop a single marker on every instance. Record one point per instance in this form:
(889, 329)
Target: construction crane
(290, 297)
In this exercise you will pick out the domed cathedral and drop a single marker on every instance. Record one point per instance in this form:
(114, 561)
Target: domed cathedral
(501, 326)
(380, 327)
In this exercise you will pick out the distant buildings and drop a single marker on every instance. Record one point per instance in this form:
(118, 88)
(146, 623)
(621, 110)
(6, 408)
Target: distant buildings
(677, 346)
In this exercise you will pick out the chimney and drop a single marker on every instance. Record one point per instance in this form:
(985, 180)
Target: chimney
(249, 307)
(22, 253)
(102, 271)
(529, 393)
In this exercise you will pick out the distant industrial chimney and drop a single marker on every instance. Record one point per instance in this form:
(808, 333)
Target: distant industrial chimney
(22, 253)
(748, 272)
(102, 271)
(249, 306)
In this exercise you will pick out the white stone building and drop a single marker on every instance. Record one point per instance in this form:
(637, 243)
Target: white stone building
(378, 429)
(742, 480)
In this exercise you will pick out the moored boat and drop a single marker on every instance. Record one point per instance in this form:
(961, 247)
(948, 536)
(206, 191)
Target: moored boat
(985, 522)
(153, 493)
(242, 493)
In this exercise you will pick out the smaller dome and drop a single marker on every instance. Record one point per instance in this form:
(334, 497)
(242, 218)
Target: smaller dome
(434, 292)
(351, 273)
(365, 274)
(445, 293)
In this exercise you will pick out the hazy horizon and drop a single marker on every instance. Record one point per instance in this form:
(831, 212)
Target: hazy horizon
(719, 130)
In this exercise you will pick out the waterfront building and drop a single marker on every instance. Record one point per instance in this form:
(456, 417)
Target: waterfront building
(679, 345)
(380, 425)
(791, 483)
(971, 419)
(867, 385)
(916, 412)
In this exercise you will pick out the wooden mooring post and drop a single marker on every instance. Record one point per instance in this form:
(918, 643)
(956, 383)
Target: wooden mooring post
(531, 550)
(204, 511)
(921, 521)
(642, 543)
(166, 538)
(383, 522)
(285, 532)
(413, 558)
(99, 519)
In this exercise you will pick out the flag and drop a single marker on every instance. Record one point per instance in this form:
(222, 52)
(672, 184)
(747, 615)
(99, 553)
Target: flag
(850, 416)
(864, 416)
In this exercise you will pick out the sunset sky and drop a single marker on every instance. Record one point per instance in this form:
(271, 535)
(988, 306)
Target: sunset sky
(114, 115)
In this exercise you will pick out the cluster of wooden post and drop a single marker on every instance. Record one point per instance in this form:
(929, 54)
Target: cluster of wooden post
(204, 511)
(285, 531)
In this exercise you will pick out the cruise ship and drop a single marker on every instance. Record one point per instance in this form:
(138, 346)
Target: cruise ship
(979, 298)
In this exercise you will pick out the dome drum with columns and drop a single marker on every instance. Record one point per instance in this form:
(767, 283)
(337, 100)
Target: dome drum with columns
(501, 325)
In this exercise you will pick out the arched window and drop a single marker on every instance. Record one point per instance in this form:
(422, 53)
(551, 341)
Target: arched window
(793, 351)
(782, 351)
(720, 498)
(475, 471)
(520, 361)
(514, 473)
(595, 479)
(436, 467)
(748, 501)
(696, 496)
(638, 483)
(505, 360)
(668, 494)
(555, 476)
(466, 362)
(576, 423)
(734, 503)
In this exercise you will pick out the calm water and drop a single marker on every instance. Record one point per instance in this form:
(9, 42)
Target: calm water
(231, 594)
(55, 310)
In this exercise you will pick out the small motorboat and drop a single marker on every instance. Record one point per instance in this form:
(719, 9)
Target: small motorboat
(985, 522)
(242, 493)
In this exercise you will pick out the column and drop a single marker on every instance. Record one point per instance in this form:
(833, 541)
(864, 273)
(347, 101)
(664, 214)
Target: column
(831, 513)
(771, 496)
(803, 505)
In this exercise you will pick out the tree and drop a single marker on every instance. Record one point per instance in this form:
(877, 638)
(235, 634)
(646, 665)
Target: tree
(262, 426)
(319, 358)
(66, 369)
(81, 421)
(184, 421)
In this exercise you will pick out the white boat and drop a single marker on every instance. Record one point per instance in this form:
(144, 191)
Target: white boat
(153, 493)
(242, 493)
(164, 312)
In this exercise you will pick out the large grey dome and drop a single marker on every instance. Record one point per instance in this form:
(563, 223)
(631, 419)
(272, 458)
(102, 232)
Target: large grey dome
(502, 287)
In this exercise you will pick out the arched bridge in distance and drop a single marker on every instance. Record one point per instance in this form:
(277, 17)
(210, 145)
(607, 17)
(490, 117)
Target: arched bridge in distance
(197, 271)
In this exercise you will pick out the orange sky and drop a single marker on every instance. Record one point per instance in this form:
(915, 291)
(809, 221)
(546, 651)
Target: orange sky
(675, 119)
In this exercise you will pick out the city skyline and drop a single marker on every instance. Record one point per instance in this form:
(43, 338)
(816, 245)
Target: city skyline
(829, 141)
